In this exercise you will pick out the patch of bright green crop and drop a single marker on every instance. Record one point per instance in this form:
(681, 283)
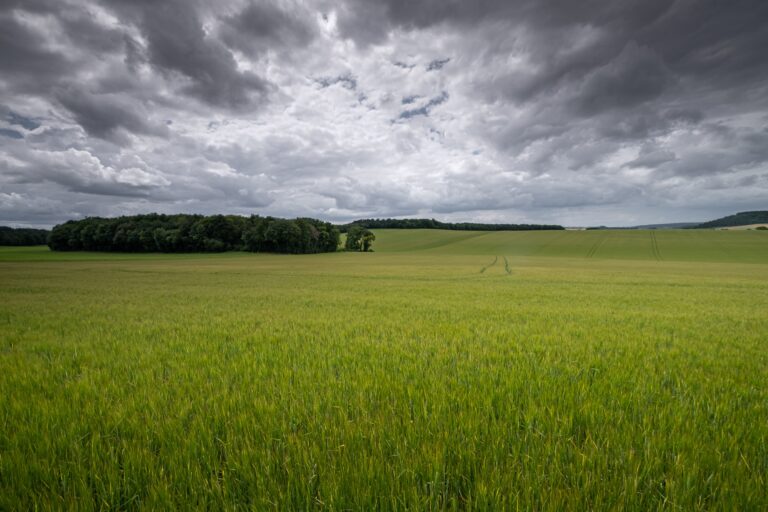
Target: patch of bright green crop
(390, 380)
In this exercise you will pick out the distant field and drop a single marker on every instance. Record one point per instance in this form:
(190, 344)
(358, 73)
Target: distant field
(661, 245)
(585, 370)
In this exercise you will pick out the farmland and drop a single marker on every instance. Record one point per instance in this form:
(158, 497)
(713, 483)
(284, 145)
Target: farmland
(563, 370)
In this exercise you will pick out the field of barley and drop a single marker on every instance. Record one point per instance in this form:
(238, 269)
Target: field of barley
(562, 370)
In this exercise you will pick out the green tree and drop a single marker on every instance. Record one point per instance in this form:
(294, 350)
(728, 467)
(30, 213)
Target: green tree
(189, 233)
(283, 235)
(367, 240)
(359, 239)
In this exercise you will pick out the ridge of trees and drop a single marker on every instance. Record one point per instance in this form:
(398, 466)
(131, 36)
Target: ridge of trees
(738, 219)
(436, 224)
(195, 233)
(23, 236)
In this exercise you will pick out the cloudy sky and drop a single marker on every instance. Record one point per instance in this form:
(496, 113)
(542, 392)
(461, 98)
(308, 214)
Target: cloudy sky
(613, 112)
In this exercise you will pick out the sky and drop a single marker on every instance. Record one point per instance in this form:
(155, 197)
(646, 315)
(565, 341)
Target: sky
(597, 112)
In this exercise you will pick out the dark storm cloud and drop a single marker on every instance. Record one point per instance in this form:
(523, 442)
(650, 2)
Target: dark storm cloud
(135, 54)
(556, 107)
(263, 25)
(178, 44)
(84, 31)
(104, 116)
(539, 13)
(43, 42)
(24, 61)
(636, 51)
(635, 76)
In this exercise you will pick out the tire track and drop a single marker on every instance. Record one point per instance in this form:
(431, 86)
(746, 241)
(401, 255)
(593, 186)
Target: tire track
(482, 270)
(596, 246)
(655, 247)
(507, 269)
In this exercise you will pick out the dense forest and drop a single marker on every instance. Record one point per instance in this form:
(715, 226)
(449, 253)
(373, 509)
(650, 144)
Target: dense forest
(436, 224)
(23, 236)
(195, 233)
(739, 219)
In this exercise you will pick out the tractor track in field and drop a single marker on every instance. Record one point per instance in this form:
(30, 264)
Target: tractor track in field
(596, 246)
(482, 270)
(655, 247)
(507, 269)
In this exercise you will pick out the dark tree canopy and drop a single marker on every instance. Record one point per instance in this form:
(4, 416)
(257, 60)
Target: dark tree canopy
(739, 219)
(436, 224)
(23, 236)
(359, 239)
(195, 233)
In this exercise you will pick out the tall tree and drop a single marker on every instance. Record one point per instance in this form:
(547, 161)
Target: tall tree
(359, 239)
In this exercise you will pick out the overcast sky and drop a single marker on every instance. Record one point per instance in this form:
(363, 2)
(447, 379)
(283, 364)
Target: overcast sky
(614, 112)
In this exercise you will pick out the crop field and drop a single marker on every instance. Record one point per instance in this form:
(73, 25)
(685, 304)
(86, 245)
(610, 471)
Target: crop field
(448, 370)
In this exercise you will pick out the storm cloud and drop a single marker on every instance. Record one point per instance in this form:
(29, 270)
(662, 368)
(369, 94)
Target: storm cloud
(595, 112)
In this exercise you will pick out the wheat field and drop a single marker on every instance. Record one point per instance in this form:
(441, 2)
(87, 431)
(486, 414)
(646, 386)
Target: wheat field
(592, 370)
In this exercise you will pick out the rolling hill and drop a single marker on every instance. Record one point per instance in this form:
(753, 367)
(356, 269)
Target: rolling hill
(672, 245)
(739, 219)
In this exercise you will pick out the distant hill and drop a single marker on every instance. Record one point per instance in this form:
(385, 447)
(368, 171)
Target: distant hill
(671, 225)
(740, 219)
(452, 226)
(23, 236)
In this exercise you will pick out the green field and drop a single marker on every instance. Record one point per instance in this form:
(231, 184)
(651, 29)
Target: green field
(563, 370)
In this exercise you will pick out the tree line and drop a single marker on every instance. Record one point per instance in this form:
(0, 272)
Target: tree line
(436, 224)
(739, 219)
(23, 236)
(195, 233)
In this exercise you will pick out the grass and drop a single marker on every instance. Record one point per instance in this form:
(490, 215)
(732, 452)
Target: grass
(448, 370)
(673, 245)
